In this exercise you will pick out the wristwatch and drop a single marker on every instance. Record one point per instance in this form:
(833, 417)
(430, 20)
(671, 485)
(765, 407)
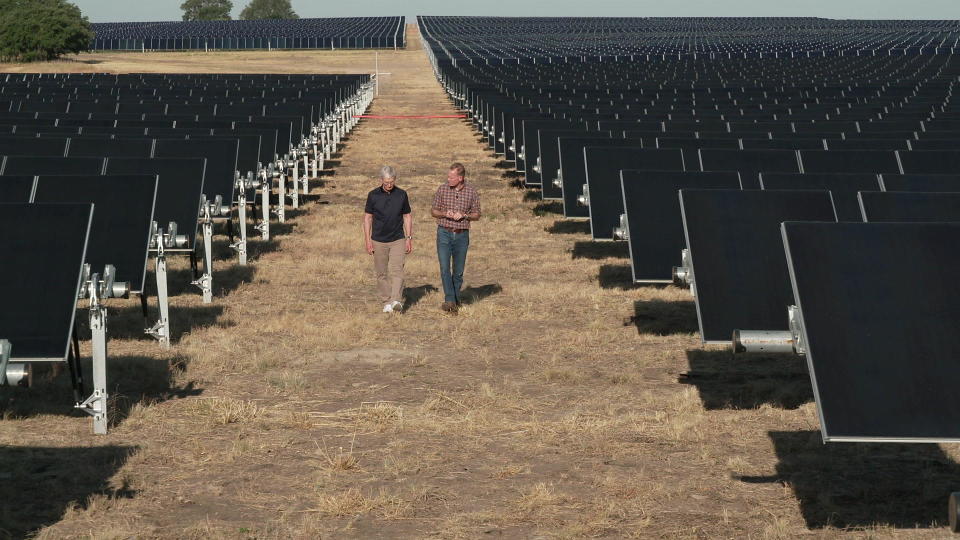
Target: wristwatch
(409, 238)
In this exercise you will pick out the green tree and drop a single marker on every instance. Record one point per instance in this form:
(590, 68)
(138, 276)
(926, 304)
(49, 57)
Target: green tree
(269, 9)
(206, 10)
(33, 30)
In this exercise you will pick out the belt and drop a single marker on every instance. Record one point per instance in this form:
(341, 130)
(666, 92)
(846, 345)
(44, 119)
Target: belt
(454, 231)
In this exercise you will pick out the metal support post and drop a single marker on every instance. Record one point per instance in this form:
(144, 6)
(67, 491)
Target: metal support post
(306, 167)
(205, 282)
(241, 245)
(294, 192)
(96, 404)
(264, 225)
(282, 198)
(161, 329)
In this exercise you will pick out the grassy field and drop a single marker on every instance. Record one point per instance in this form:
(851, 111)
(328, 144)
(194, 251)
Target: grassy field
(562, 402)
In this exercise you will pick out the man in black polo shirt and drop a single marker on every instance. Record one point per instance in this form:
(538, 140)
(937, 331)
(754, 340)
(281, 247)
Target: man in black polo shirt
(388, 236)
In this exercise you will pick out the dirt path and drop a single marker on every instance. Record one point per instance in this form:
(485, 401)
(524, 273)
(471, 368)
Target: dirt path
(562, 401)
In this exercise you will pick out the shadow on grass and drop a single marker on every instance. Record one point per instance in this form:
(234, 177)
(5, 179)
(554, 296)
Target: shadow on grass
(747, 381)
(41, 483)
(569, 226)
(413, 295)
(131, 380)
(504, 164)
(534, 194)
(472, 295)
(616, 276)
(545, 208)
(225, 280)
(601, 250)
(860, 485)
(664, 318)
(128, 322)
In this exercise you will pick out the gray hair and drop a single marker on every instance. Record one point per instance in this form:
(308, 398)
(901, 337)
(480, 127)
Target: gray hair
(387, 172)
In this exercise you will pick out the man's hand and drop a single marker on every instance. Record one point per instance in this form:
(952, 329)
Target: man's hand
(456, 216)
(409, 246)
(369, 247)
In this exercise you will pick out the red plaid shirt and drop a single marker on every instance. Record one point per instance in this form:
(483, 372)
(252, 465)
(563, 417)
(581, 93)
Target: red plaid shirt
(465, 201)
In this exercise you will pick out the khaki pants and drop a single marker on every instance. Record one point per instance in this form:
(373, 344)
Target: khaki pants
(388, 261)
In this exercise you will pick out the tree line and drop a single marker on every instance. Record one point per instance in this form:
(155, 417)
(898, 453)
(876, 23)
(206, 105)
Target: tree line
(37, 30)
(219, 10)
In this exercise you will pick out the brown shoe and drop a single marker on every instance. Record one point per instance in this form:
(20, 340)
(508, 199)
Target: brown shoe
(449, 307)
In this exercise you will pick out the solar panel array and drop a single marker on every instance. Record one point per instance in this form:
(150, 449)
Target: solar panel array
(757, 162)
(108, 170)
(314, 33)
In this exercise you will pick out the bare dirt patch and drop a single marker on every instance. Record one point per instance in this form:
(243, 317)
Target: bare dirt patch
(561, 402)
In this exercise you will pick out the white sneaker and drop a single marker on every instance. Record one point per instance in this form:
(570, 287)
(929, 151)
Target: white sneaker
(388, 308)
(397, 307)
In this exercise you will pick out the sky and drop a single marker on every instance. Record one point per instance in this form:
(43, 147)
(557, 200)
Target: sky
(167, 10)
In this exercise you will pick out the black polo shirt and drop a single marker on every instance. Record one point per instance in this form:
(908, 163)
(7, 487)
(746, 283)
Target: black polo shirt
(388, 208)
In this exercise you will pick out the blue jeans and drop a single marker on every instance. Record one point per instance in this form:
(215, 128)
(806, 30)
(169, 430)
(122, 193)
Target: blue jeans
(452, 247)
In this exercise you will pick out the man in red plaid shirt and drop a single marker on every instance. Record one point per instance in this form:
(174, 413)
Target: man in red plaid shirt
(455, 205)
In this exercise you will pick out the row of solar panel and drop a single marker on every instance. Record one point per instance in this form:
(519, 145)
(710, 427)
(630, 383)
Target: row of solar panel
(356, 33)
(150, 194)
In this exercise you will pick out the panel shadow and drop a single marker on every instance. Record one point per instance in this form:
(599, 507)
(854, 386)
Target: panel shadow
(128, 322)
(41, 483)
(225, 280)
(601, 250)
(616, 276)
(664, 318)
(861, 485)
(565, 226)
(131, 380)
(546, 208)
(747, 381)
(472, 295)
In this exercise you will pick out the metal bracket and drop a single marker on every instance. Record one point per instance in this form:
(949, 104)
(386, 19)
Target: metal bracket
(584, 198)
(558, 181)
(206, 279)
(161, 329)
(5, 352)
(773, 341)
(622, 232)
(96, 289)
(264, 225)
(683, 274)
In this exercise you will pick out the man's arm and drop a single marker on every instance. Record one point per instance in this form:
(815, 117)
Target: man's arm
(408, 232)
(367, 231)
(474, 213)
(436, 211)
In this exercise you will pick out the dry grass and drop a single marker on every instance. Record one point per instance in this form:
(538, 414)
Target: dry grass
(561, 403)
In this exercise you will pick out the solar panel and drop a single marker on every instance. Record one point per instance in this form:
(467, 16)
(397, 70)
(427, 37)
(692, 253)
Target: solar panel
(180, 183)
(749, 163)
(39, 165)
(31, 146)
(910, 206)
(120, 231)
(880, 308)
(930, 162)
(125, 147)
(843, 187)
(549, 142)
(603, 166)
(573, 169)
(221, 155)
(921, 182)
(41, 289)
(849, 162)
(16, 189)
(653, 219)
(739, 278)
